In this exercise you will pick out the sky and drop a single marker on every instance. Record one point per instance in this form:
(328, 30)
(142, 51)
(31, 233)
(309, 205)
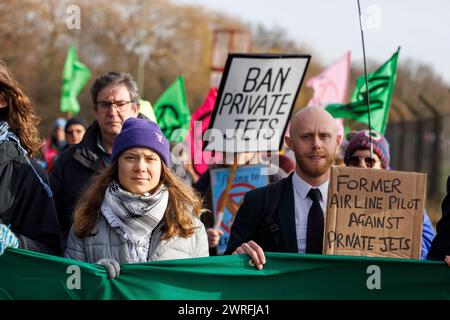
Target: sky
(331, 27)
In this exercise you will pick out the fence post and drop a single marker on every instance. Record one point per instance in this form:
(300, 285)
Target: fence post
(436, 153)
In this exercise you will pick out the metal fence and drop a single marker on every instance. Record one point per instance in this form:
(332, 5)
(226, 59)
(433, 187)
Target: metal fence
(423, 145)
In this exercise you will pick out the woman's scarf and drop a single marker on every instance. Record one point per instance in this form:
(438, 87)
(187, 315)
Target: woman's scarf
(134, 217)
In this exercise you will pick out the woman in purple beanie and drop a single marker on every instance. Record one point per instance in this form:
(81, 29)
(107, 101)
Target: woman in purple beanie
(137, 210)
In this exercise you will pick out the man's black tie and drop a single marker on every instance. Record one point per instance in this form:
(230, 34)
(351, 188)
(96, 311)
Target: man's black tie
(314, 231)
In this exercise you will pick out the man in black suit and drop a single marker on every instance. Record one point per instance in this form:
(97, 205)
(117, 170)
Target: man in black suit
(440, 248)
(298, 202)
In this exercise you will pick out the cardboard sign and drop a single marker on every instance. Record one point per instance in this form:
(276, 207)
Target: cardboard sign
(255, 101)
(375, 213)
(246, 178)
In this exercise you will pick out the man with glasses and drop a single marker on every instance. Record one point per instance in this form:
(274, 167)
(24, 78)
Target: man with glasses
(357, 154)
(115, 98)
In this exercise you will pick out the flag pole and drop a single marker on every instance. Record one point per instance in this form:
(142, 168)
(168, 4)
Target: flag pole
(367, 81)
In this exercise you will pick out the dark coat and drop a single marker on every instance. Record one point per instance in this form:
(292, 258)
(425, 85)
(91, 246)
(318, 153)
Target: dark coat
(440, 247)
(249, 223)
(25, 204)
(71, 174)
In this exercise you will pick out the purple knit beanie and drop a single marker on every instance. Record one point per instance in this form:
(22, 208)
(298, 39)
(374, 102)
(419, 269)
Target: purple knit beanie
(141, 133)
(360, 140)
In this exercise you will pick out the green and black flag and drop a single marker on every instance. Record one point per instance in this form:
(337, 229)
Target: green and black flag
(381, 87)
(171, 109)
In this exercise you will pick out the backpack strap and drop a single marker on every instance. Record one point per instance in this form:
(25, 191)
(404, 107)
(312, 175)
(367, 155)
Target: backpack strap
(272, 198)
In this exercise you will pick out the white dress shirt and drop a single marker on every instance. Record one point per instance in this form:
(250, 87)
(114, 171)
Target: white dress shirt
(302, 205)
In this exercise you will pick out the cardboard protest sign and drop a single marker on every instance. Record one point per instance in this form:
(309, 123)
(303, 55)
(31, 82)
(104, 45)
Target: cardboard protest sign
(375, 213)
(255, 101)
(246, 178)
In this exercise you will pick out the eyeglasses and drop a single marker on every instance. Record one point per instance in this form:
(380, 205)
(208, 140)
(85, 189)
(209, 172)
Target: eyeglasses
(354, 161)
(106, 105)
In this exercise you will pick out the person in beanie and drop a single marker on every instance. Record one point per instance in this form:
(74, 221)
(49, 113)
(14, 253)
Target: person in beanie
(357, 150)
(75, 130)
(58, 138)
(357, 154)
(115, 98)
(137, 210)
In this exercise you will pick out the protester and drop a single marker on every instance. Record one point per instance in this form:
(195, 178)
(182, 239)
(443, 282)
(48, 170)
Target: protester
(58, 137)
(288, 216)
(27, 213)
(115, 98)
(54, 144)
(440, 248)
(137, 210)
(75, 130)
(203, 187)
(357, 154)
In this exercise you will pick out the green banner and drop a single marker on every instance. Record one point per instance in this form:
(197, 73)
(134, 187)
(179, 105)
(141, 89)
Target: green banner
(29, 275)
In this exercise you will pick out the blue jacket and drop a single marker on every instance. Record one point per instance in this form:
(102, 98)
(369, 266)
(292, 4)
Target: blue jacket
(427, 235)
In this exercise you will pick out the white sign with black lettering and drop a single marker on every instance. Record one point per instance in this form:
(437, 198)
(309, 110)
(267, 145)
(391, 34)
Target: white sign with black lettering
(255, 101)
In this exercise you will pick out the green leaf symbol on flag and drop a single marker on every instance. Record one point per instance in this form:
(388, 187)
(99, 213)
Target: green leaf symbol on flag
(381, 86)
(172, 111)
(75, 77)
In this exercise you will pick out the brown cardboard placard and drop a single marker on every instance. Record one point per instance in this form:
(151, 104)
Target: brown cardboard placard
(375, 213)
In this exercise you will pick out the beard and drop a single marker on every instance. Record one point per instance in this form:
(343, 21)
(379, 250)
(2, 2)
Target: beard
(311, 169)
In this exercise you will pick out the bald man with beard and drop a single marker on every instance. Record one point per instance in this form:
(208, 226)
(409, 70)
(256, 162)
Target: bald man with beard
(297, 222)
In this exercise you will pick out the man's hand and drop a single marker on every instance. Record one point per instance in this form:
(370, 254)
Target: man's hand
(213, 236)
(255, 252)
(447, 259)
(7, 239)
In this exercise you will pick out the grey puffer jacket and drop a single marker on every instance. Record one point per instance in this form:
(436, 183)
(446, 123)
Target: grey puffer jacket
(106, 243)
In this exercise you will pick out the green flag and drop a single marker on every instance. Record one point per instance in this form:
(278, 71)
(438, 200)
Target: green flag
(75, 76)
(172, 111)
(381, 86)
